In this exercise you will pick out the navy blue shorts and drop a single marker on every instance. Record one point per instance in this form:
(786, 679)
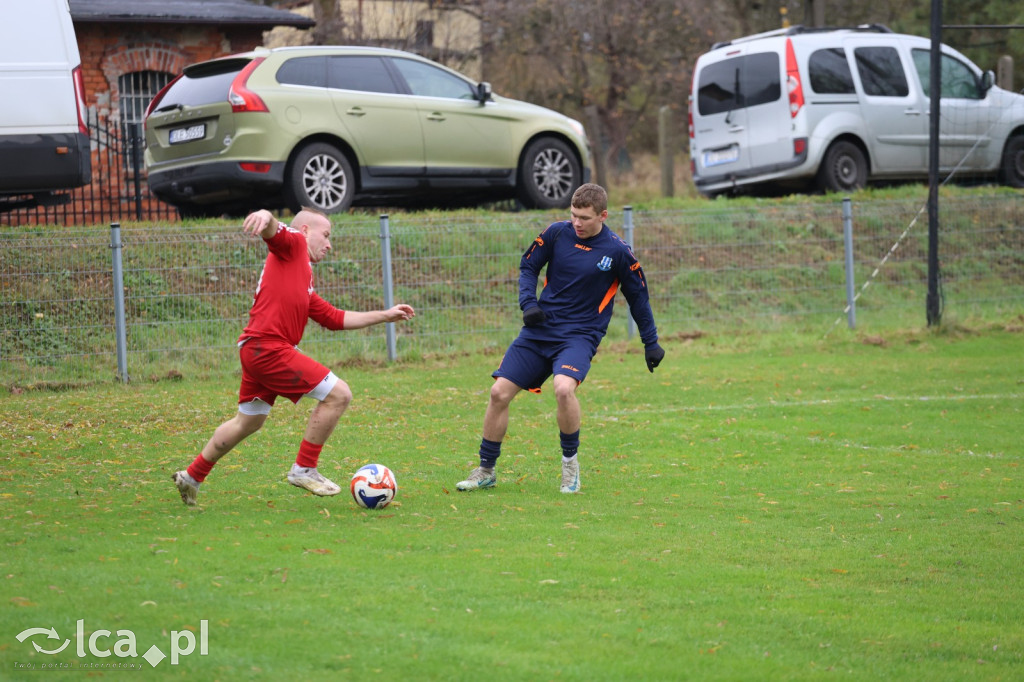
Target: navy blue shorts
(528, 363)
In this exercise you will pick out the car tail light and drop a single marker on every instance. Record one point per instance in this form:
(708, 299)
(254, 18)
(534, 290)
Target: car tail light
(799, 146)
(160, 95)
(243, 99)
(793, 85)
(76, 76)
(254, 167)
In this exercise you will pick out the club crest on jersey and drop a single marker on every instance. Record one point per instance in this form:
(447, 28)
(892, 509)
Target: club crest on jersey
(605, 264)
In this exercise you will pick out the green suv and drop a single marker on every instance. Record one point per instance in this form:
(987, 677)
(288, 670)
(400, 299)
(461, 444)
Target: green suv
(324, 126)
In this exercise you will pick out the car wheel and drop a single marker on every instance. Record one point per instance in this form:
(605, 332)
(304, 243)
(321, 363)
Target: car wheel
(549, 174)
(844, 168)
(320, 177)
(1013, 162)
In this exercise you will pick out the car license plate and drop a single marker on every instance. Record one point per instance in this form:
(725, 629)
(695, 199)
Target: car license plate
(179, 135)
(716, 157)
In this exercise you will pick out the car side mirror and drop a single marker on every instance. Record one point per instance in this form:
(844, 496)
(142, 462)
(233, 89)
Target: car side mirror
(483, 92)
(988, 79)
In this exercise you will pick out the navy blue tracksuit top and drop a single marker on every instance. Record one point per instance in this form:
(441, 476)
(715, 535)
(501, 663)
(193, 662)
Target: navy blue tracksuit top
(580, 284)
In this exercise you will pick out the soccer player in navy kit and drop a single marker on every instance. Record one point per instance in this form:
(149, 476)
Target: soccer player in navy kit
(586, 264)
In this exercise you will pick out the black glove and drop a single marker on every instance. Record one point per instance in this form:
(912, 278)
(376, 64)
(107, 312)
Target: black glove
(653, 354)
(534, 316)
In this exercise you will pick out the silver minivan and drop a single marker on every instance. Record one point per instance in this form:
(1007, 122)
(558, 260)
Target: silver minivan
(834, 109)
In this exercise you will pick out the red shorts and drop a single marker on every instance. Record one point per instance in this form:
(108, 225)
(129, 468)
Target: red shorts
(273, 368)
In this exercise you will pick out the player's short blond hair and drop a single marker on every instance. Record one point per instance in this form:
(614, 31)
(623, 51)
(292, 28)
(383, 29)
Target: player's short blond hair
(590, 196)
(306, 214)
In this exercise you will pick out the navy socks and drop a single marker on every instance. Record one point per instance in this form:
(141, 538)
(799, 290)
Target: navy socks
(570, 444)
(489, 452)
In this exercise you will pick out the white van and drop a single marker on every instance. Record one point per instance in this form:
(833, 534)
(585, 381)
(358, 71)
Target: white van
(44, 139)
(833, 109)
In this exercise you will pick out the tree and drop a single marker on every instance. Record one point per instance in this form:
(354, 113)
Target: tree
(329, 22)
(756, 16)
(612, 63)
(983, 43)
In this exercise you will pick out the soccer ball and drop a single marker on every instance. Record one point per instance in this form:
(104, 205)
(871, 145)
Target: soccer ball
(374, 486)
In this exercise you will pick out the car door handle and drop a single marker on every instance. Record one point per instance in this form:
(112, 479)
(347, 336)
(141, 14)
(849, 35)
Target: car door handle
(356, 111)
(437, 116)
(737, 129)
(911, 112)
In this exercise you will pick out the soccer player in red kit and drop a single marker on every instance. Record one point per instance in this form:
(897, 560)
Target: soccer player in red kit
(272, 365)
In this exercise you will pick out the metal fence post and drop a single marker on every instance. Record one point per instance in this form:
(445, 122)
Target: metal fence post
(389, 287)
(627, 235)
(135, 140)
(120, 329)
(851, 312)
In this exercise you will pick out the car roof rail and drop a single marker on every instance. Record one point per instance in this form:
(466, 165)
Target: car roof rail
(756, 36)
(801, 29)
(860, 28)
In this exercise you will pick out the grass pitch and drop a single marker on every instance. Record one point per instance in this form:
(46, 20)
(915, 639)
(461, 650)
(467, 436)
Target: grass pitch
(789, 509)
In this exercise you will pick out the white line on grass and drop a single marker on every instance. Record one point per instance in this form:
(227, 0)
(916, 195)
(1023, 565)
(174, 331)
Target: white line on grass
(841, 401)
(877, 399)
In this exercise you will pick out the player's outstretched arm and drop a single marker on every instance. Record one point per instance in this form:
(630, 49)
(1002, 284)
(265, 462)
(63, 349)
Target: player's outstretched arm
(262, 223)
(357, 320)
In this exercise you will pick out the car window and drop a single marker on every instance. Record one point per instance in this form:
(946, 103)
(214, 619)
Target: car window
(830, 72)
(957, 79)
(743, 81)
(363, 73)
(309, 71)
(198, 90)
(881, 72)
(429, 81)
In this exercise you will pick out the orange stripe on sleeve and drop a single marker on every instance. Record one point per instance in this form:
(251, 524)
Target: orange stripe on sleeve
(608, 296)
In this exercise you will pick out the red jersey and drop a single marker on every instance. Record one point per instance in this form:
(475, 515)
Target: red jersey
(285, 298)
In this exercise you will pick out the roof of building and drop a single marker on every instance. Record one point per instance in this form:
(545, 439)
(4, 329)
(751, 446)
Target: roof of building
(237, 12)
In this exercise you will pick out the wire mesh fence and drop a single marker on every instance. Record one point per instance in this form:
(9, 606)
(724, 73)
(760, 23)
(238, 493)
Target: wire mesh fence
(719, 270)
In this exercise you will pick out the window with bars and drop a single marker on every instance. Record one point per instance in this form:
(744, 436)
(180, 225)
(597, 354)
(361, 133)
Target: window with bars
(135, 91)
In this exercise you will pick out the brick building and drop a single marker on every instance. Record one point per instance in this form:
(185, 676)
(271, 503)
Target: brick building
(130, 49)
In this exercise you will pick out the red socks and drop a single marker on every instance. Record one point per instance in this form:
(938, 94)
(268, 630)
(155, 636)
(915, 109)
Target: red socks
(309, 454)
(199, 469)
